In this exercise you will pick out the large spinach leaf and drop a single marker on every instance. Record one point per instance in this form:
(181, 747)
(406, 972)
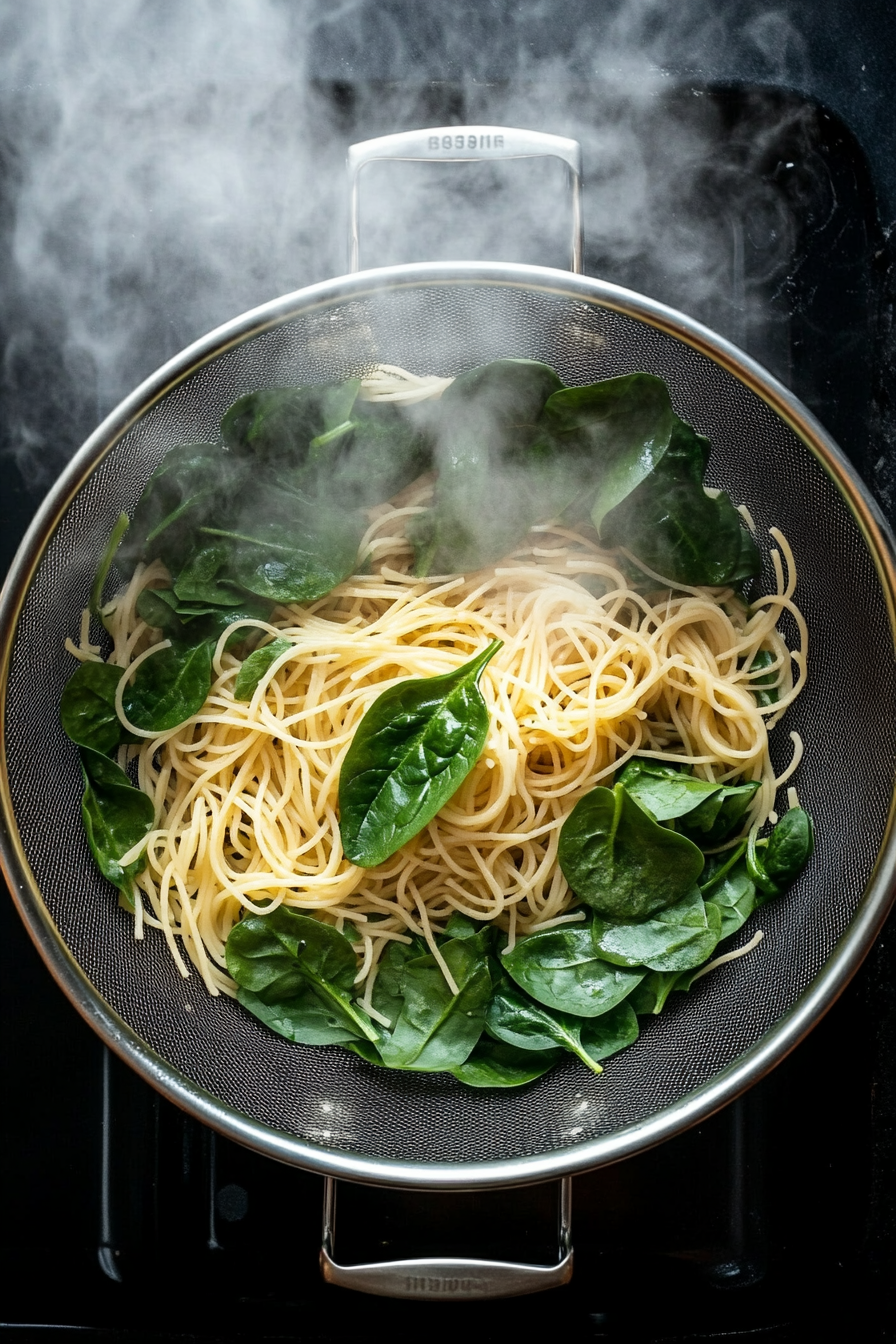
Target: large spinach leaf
(192, 483)
(169, 687)
(620, 861)
(277, 425)
(710, 811)
(670, 524)
(437, 1029)
(412, 750)
(677, 938)
(561, 968)
(486, 498)
(87, 708)
(296, 974)
(513, 1018)
(497, 1064)
(116, 818)
(613, 433)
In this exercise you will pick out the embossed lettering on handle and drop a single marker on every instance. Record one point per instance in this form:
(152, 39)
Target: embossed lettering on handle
(444, 1280)
(456, 144)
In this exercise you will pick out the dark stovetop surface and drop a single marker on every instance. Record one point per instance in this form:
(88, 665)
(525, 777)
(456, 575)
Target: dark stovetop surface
(773, 1220)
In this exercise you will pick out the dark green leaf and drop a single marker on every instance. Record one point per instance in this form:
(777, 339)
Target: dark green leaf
(560, 967)
(412, 750)
(764, 687)
(666, 791)
(617, 431)
(497, 1064)
(87, 708)
(735, 896)
(437, 1029)
(677, 938)
(513, 1017)
(621, 862)
(714, 820)
(486, 497)
(287, 548)
(279, 423)
(790, 846)
(169, 687)
(116, 817)
(671, 525)
(296, 973)
(256, 665)
(192, 482)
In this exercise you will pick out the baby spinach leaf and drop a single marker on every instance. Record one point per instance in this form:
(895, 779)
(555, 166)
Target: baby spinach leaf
(296, 973)
(437, 1029)
(497, 1064)
(169, 687)
(116, 817)
(204, 579)
(87, 708)
(561, 968)
(621, 427)
(384, 448)
(254, 667)
(513, 1018)
(790, 846)
(671, 525)
(287, 548)
(278, 423)
(485, 499)
(774, 863)
(650, 996)
(735, 896)
(675, 939)
(191, 483)
(714, 820)
(621, 862)
(412, 750)
(664, 790)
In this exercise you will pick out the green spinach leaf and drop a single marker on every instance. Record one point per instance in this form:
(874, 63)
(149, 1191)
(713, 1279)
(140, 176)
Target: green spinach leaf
(561, 968)
(254, 667)
(436, 1029)
(616, 432)
(87, 708)
(116, 817)
(487, 427)
(620, 861)
(169, 687)
(497, 1064)
(513, 1018)
(412, 750)
(670, 524)
(296, 974)
(677, 938)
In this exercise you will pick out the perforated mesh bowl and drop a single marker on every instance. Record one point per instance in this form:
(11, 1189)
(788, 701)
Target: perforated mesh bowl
(322, 1107)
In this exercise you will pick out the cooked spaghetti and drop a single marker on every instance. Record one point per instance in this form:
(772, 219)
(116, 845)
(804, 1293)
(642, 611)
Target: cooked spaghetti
(591, 672)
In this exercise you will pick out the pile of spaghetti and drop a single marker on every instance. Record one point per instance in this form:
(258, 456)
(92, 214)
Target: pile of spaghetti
(591, 672)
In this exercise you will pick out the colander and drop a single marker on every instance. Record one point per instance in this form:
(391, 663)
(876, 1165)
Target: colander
(323, 1108)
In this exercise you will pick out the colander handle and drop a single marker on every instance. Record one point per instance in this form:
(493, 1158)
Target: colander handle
(447, 1280)
(456, 144)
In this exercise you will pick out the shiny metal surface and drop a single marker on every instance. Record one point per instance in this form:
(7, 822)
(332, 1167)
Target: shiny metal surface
(442, 1279)
(466, 144)
(322, 1156)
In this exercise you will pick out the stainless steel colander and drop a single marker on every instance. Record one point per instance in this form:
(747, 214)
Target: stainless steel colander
(323, 1108)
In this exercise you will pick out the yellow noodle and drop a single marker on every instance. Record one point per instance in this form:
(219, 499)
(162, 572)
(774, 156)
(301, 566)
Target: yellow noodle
(245, 793)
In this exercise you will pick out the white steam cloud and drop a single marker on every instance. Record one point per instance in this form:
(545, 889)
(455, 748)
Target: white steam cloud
(165, 166)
